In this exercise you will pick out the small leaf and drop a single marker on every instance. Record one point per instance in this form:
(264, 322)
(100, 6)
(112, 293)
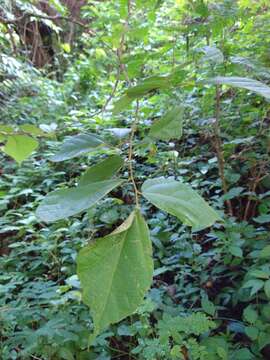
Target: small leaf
(63, 203)
(20, 147)
(250, 315)
(267, 288)
(255, 286)
(236, 251)
(265, 252)
(252, 332)
(31, 129)
(169, 126)
(149, 84)
(5, 129)
(116, 271)
(181, 201)
(104, 170)
(122, 104)
(244, 83)
(260, 274)
(77, 145)
(208, 306)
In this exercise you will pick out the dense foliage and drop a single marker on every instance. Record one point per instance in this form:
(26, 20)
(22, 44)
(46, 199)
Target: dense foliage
(173, 97)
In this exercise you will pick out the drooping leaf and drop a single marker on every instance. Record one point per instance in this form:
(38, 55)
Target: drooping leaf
(77, 145)
(104, 170)
(244, 83)
(116, 271)
(63, 203)
(169, 126)
(181, 201)
(20, 147)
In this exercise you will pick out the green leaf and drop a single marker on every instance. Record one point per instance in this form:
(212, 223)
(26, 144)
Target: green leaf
(252, 332)
(236, 251)
(254, 285)
(149, 84)
(250, 315)
(265, 252)
(77, 145)
(20, 147)
(116, 271)
(32, 129)
(7, 130)
(102, 171)
(208, 306)
(169, 126)
(244, 83)
(181, 201)
(267, 288)
(63, 203)
(122, 104)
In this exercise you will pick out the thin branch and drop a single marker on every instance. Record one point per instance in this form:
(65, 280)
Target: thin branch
(130, 153)
(219, 150)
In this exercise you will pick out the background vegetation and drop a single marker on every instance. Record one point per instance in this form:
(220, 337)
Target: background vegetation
(63, 69)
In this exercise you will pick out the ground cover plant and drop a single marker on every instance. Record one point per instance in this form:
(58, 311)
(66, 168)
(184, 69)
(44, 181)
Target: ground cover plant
(135, 186)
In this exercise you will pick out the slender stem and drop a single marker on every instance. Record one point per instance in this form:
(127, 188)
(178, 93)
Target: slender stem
(130, 153)
(219, 150)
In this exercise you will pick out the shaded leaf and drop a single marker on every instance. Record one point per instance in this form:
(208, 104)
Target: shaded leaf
(267, 288)
(169, 126)
(104, 170)
(63, 203)
(265, 252)
(181, 201)
(77, 145)
(116, 271)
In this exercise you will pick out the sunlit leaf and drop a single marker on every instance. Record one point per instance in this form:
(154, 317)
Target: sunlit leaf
(20, 147)
(181, 201)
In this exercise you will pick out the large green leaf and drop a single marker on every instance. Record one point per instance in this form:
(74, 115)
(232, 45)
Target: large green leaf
(77, 145)
(180, 200)
(244, 83)
(116, 271)
(63, 203)
(169, 126)
(20, 147)
(102, 171)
